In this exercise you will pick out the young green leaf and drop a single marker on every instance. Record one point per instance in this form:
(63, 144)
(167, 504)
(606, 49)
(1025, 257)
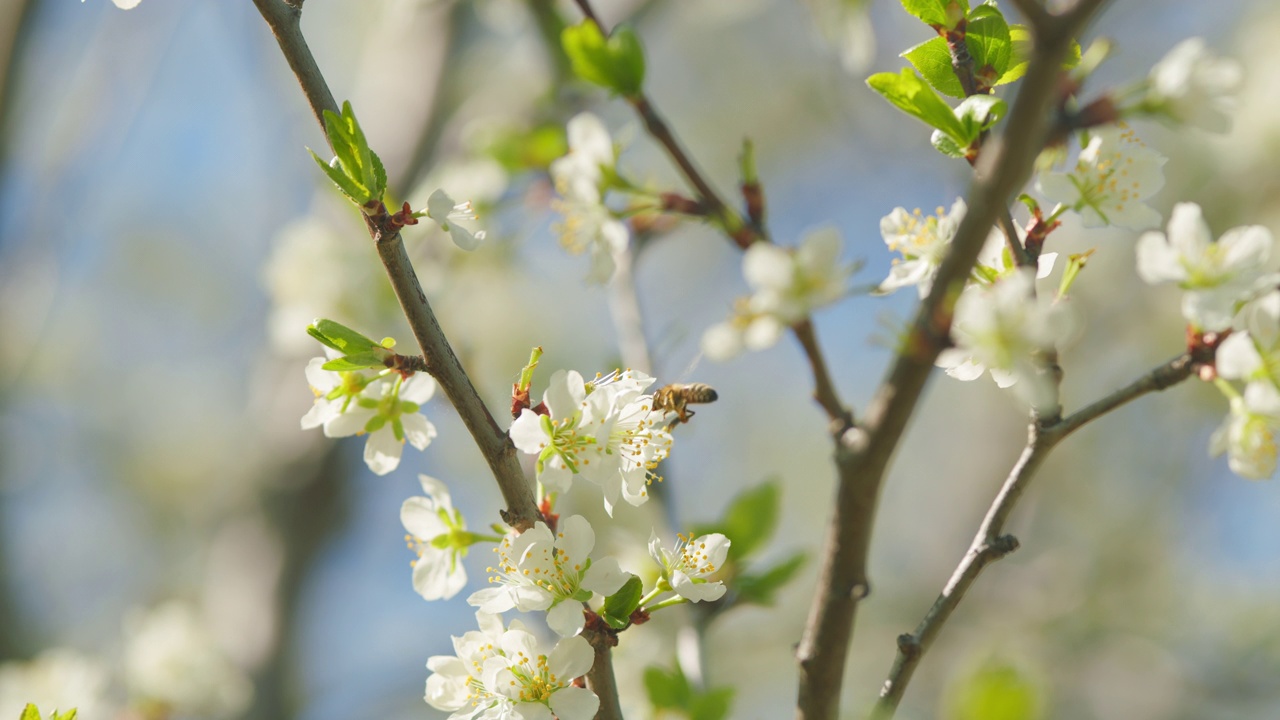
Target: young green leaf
(910, 94)
(932, 59)
(619, 606)
(616, 62)
(760, 588)
(996, 691)
(937, 13)
(749, 521)
(989, 42)
(30, 712)
(357, 361)
(340, 337)
(712, 704)
(353, 190)
(667, 689)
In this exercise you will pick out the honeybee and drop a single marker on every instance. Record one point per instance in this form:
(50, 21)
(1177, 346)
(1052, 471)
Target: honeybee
(676, 398)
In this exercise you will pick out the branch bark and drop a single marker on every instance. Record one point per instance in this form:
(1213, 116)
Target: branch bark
(989, 544)
(866, 452)
(285, 22)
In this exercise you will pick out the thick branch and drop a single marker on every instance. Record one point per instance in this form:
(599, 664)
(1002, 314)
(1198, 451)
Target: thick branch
(1004, 168)
(600, 678)
(989, 544)
(442, 363)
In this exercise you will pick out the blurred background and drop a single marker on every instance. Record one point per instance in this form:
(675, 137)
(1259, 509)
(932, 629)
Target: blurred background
(172, 544)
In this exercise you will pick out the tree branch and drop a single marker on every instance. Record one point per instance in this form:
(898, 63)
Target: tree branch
(988, 544)
(442, 363)
(864, 457)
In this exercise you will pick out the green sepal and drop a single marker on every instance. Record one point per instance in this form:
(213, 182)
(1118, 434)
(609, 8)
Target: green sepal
(340, 337)
(616, 62)
(938, 14)
(375, 423)
(356, 361)
(910, 94)
(526, 373)
(1075, 263)
(749, 521)
(760, 588)
(618, 607)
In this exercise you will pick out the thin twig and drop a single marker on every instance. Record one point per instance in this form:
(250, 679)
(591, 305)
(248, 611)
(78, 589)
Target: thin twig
(442, 363)
(843, 581)
(600, 678)
(988, 543)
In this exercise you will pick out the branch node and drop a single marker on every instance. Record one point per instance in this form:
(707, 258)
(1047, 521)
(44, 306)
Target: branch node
(1002, 546)
(860, 590)
(909, 645)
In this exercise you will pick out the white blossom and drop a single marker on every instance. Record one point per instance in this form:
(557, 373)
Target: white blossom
(539, 571)
(170, 658)
(1112, 178)
(500, 674)
(124, 4)
(787, 284)
(1192, 85)
(57, 679)
(439, 534)
(384, 407)
(446, 213)
(1249, 433)
(998, 329)
(923, 243)
(1253, 352)
(1216, 276)
(685, 568)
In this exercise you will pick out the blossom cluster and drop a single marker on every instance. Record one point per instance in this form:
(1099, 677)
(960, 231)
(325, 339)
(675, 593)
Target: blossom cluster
(605, 431)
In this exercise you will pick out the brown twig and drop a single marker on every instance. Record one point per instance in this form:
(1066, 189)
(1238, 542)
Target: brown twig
(442, 363)
(989, 544)
(843, 579)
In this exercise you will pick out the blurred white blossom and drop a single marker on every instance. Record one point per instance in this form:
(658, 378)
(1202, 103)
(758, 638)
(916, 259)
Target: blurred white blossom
(787, 284)
(501, 674)
(1192, 85)
(539, 571)
(1216, 276)
(439, 534)
(57, 679)
(580, 178)
(1249, 433)
(923, 243)
(1252, 351)
(1112, 178)
(171, 659)
(999, 329)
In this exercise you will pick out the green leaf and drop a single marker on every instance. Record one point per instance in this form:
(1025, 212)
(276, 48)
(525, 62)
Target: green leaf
(980, 112)
(666, 688)
(616, 62)
(987, 35)
(760, 588)
(30, 713)
(910, 94)
(619, 606)
(340, 337)
(996, 691)
(68, 715)
(932, 59)
(1021, 50)
(354, 192)
(711, 705)
(749, 521)
(937, 13)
